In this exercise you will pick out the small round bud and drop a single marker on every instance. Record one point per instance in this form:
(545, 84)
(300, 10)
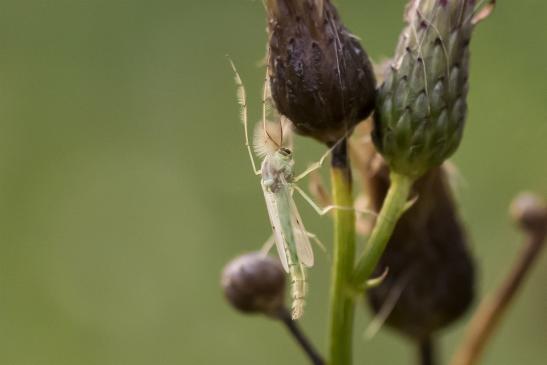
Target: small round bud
(321, 78)
(254, 283)
(530, 212)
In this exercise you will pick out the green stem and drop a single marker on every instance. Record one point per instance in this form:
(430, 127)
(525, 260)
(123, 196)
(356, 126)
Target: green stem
(341, 298)
(427, 352)
(393, 207)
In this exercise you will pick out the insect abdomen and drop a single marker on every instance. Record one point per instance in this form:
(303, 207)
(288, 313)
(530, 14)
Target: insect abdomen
(299, 287)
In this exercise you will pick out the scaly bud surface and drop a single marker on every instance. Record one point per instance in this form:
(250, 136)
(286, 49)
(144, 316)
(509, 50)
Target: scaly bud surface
(321, 78)
(421, 106)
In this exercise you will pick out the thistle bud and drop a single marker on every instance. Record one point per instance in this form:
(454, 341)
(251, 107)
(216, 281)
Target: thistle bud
(421, 106)
(431, 273)
(530, 212)
(254, 283)
(321, 78)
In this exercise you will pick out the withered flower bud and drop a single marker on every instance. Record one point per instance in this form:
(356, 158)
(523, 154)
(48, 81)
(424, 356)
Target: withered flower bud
(422, 104)
(254, 283)
(431, 273)
(530, 212)
(321, 78)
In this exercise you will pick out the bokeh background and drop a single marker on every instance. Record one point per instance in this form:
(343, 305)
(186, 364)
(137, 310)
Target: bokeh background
(125, 187)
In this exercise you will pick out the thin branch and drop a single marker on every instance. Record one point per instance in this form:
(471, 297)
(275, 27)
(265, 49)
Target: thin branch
(531, 214)
(315, 358)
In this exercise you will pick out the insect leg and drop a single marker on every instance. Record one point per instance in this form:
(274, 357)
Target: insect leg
(316, 165)
(267, 246)
(328, 208)
(242, 100)
(387, 307)
(317, 241)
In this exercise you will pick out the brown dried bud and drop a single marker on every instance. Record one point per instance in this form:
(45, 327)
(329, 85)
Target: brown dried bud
(431, 273)
(254, 283)
(530, 212)
(321, 78)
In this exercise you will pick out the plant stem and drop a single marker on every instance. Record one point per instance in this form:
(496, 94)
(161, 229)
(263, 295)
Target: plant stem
(299, 336)
(393, 207)
(427, 352)
(341, 298)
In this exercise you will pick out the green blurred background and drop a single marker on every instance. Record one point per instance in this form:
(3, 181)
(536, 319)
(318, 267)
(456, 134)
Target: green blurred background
(125, 187)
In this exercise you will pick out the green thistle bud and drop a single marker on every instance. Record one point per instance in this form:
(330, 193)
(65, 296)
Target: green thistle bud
(321, 78)
(421, 106)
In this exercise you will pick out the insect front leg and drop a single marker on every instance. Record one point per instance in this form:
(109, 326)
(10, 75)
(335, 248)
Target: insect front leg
(316, 165)
(242, 100)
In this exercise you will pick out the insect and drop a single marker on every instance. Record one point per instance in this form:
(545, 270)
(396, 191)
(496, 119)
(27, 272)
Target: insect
(278, 181)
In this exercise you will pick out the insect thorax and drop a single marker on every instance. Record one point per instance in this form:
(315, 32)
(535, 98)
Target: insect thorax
(277, 171)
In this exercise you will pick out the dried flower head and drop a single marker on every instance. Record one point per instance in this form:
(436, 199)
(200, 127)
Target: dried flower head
(254, 283)
(421, 107)
(321, 78)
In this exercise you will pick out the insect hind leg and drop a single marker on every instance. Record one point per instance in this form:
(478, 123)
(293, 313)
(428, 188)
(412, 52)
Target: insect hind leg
(318, 242)
(267, 246)
(324, 210)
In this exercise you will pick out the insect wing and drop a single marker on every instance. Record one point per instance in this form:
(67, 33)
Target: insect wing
(303, 245)
(273, 213)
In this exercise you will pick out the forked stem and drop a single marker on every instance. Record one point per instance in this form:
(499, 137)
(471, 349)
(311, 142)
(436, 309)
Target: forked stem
(393, 207)
(341, 297)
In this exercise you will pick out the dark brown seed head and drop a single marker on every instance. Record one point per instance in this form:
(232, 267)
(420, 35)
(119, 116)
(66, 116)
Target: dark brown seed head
(321, 78)
(431, 273)
(254, 283)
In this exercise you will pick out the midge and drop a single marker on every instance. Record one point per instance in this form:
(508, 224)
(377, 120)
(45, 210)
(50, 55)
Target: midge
(278, 182)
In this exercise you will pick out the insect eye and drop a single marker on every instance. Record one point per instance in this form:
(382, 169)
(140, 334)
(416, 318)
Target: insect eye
(285, 151)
